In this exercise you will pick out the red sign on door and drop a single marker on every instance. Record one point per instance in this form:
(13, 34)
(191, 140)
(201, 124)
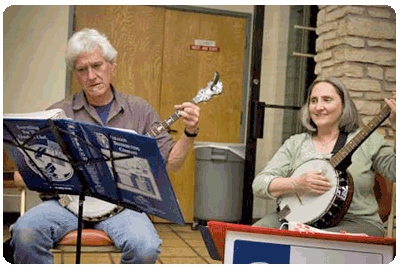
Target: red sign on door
(204, 48)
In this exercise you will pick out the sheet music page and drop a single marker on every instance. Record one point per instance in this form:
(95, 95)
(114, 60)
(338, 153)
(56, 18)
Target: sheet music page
(49, 114)
(135, 175)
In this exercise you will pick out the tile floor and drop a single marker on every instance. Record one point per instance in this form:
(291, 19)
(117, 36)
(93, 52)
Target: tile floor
(181, 245)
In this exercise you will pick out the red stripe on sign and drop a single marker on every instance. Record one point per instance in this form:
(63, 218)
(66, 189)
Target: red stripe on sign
(204, 48)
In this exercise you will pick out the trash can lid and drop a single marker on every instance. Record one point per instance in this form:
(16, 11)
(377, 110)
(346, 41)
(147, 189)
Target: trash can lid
(236, 148)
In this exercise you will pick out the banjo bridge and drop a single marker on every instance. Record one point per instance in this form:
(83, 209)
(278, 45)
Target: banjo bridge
(283, 213)
(65, 200)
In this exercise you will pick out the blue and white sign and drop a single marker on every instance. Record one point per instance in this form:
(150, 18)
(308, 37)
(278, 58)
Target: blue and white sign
(251, 248)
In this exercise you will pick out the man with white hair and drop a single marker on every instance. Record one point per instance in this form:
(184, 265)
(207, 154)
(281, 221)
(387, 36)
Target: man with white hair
(92, 58)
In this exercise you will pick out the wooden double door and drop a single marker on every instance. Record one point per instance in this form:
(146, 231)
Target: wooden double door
(155, 61)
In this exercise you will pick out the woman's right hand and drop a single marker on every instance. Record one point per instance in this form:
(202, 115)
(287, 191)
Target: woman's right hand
(312, 182)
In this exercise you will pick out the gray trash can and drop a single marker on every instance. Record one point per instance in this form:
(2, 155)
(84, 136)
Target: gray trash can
(218, 182)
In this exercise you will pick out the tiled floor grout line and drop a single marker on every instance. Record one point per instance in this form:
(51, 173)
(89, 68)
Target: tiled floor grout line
(198, 254)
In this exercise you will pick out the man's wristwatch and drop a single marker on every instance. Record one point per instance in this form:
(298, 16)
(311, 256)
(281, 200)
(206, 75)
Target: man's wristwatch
(191, 135)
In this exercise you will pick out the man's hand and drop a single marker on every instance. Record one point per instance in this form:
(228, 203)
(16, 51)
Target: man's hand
(190, 113)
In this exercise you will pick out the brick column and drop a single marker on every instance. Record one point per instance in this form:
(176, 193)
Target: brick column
(358, 45)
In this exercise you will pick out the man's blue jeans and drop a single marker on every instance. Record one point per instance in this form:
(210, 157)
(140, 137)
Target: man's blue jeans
(35, 233)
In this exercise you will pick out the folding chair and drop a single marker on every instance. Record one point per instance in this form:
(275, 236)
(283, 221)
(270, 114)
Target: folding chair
(93, 241)
(385, 193)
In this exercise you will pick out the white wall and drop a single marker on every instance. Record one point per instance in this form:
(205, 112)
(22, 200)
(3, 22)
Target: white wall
(34, 71)
(273, 79)
(272, 91)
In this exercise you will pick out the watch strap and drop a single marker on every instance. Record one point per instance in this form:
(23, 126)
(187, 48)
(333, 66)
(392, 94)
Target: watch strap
(191, 135)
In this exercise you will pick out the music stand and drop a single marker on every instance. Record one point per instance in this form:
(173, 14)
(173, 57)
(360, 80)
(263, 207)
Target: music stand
(65, 156)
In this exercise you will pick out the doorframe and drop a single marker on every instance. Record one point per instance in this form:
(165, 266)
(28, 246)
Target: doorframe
(71, 24)
(254, 116)
(203, 10)
(207, 10)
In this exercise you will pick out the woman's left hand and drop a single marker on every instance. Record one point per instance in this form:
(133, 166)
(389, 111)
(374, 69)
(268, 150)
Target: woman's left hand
(392, 104)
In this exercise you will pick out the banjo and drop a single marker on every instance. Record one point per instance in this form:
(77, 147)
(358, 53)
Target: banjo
(328, 209)
(95, 210)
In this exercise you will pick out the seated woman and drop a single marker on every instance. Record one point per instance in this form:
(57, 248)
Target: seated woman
(328, 112)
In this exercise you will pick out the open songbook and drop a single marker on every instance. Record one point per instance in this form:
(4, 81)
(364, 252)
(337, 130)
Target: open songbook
(57, 154)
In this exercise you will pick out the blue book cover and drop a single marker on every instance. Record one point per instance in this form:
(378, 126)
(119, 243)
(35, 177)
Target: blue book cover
(117, 166)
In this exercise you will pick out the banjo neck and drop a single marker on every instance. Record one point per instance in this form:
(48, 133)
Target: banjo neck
(164, 124)
(214, 87)
(360, 137)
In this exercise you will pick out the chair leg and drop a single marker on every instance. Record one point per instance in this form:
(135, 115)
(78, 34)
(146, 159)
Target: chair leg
(23, 201)
(392, 213)
(62, 257)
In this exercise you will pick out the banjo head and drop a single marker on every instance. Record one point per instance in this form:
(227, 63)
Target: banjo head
(311, 206)
(93, 208)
